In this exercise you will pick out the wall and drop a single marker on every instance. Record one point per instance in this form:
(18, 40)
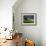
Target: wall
(29, 32)
(43, 22)
(6, 13)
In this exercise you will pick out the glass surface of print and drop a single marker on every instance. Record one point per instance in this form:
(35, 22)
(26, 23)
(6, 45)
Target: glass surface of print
(28, 19)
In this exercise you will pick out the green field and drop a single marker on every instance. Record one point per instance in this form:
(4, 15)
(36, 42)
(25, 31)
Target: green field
(28, 21)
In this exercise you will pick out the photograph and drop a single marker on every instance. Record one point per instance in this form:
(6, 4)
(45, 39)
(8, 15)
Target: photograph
(29, 18)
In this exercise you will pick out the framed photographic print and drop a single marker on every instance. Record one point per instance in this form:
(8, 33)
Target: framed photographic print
(29, 19)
